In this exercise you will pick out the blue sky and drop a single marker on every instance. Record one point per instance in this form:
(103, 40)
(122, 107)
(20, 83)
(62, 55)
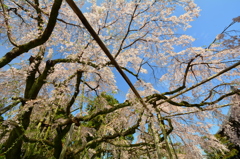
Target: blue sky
(215, 15)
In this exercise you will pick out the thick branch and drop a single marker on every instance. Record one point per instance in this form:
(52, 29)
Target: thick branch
(156, 97)
(104, 48)
(37, 85)
(197, 111)
(93, 115)
(129, 131)
(5, 109)
(202, 82)
(16, 51)
(41, 141)
(33, 70)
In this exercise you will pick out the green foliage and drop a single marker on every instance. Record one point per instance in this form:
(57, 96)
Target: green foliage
(129, 137)
(60, 114)
(100, 99)
(99, 120)
(98, 102)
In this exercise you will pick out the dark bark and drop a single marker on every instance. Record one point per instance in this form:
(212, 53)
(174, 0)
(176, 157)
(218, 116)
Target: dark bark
(14, 150)
(58, 140)
(85, 22)
(231, 125)
(13, 144)
(18, 50)
(76, 92)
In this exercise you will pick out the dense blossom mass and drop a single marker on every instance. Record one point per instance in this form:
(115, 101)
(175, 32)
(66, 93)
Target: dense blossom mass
(57, 86)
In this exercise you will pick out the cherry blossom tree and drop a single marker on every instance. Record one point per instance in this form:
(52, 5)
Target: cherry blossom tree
(58, 80)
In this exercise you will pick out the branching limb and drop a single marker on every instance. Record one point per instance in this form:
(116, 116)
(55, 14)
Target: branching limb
(41, 141)
(34, 68)
(189, 65)
(45, 13)
(7, 108)
(16, 51)
(37, 85)
(185, 103)
(9, 34)
(213, 90)
(104, 48)
(204, 109)
(56, 61)
(221, 33)
(76, 92)
(127, 33)
(132, 145)
(104, 138)
(202, 82)
(77, 119)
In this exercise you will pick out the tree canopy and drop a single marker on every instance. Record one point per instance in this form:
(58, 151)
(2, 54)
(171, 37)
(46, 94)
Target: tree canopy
(58, 81)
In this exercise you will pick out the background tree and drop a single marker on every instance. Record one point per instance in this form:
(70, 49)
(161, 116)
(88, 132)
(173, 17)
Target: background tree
(54, 78)
(232, 152)
(228, 134)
